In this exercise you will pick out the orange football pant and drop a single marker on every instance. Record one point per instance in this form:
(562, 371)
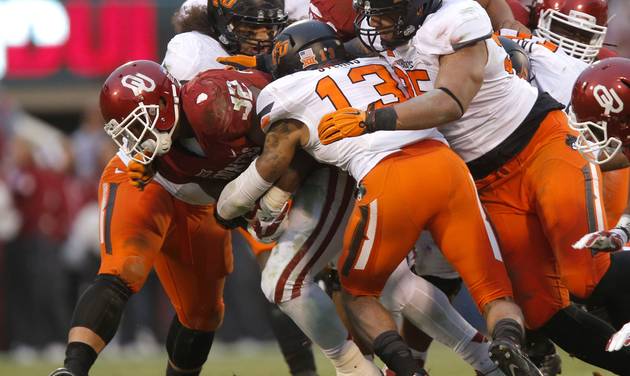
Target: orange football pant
(616, 185)
(540, 203)
(190, 252)
(426, 185)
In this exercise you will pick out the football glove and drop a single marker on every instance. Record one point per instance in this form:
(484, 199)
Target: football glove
(619, 339)
(603, 241)
(140, 174)
(242, 62)
(343, 123)
(267, 225)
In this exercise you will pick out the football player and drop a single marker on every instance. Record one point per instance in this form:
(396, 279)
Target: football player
(168, 223)
(576, 26)
(207, 30)
(514, 140)
(376, 240)
(601, 112)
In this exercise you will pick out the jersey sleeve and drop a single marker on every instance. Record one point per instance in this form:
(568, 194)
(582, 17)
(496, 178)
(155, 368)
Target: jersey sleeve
(190, 53)
(270, 107)
(453, 27)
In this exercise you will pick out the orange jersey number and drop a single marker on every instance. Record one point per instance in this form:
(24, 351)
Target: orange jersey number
(412, 78)
(328, 88)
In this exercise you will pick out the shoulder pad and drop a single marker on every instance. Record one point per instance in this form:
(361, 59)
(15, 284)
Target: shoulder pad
(453, 27)
(190, 53)
(219, 104)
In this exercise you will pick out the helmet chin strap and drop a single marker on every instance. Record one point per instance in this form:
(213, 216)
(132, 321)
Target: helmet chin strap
(163, 144)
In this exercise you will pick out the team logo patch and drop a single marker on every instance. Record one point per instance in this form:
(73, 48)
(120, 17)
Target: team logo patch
(307, 57)
(280, 50)
(224, 3)
(138, 83)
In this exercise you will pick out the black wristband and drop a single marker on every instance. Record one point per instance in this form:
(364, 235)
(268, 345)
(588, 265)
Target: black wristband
(450, 94)
(509, 329)
(383, 119)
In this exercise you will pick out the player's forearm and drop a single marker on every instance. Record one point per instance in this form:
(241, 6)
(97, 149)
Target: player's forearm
(239, 196)
(432, 109)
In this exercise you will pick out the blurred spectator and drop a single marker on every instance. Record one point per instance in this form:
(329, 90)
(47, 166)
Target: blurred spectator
(87, 142)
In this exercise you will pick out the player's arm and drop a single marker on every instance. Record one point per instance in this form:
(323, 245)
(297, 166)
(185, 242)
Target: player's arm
(501, 16)
(458, 81)
(282, 140)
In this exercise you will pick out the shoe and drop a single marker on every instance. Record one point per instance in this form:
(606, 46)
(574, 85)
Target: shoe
(511, 360)
(61, 372)
(542, 353)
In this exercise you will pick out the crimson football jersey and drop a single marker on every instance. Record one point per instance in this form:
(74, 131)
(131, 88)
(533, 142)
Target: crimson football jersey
(219, 105)
(337, 13)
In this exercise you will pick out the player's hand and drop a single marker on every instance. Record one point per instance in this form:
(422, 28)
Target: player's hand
(140, 174)
(343, 123)
(603, 241)
(267, 225)
(619, 339)
(242, 62)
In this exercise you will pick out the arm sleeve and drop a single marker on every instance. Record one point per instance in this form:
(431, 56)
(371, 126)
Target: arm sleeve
(270, 108)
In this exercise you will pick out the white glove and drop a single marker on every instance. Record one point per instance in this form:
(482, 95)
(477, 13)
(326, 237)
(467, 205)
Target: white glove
(267, 226)
(269, 219)
(619, 339)
(607, 241)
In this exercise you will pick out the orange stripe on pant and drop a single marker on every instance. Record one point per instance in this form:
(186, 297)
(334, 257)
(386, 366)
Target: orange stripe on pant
(424, 185)
(257, 247)
(541, 202)
(190, 252)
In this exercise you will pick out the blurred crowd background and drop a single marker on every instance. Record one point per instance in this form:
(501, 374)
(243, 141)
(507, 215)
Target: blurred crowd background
(53, 57)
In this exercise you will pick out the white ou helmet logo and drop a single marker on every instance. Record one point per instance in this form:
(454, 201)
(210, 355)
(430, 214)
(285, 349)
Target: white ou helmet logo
(138, 83)
(608, 99)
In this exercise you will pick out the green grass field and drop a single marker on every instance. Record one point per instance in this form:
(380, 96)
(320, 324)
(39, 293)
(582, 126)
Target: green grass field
(228, 360)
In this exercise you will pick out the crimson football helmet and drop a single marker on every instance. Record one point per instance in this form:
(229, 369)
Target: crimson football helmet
(576, 26)
(140, 104)
(600, 110)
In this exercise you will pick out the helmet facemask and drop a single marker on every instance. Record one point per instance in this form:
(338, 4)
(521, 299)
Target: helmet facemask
(247, 28)
(137, 135)
(577, 33)
(393, 29)
(254, 37)
(594, 142)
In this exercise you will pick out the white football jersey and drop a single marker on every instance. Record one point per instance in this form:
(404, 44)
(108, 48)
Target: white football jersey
(192, 52)
(308, 95)
(552, 69)
(503, 101)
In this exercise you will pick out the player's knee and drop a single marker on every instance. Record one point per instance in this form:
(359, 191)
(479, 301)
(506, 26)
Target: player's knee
(134, 271)
(188, 348)
(207, 319)
(101, 306)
